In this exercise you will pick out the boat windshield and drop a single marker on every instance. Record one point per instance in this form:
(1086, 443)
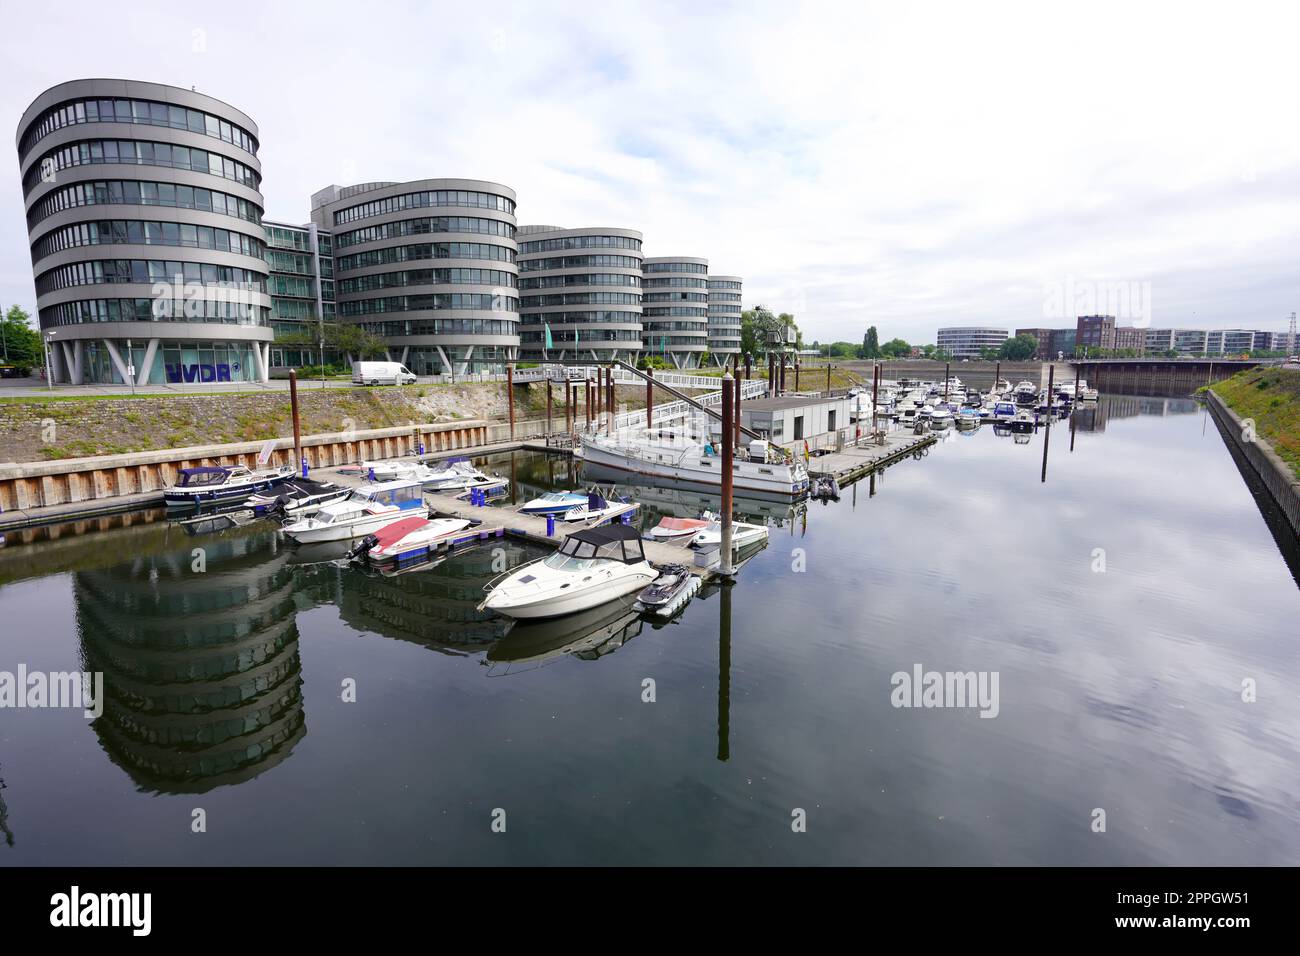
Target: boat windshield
(200, 479)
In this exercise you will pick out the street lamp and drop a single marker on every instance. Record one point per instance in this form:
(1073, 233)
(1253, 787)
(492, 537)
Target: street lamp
(47, 340)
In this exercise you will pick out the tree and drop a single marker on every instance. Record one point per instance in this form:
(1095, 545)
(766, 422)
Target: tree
(895, 348)
(1018, 349)
(871, 344)
(20, 344)
(756, 323)
(345, 337)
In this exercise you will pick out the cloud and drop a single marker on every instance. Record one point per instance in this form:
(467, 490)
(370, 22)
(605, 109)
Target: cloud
(856, 164)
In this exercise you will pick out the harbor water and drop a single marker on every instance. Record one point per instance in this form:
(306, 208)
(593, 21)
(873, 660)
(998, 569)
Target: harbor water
(1131, 607)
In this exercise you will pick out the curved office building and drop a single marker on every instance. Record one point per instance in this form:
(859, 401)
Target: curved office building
(724, 318)
(144, 216)
(583, 287)
(675, 309)
(429, 266)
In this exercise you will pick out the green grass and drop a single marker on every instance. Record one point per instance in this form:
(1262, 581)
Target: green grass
(1271, 397)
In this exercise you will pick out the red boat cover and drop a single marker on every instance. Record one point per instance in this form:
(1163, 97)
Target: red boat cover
(391, 533)
(682, 524)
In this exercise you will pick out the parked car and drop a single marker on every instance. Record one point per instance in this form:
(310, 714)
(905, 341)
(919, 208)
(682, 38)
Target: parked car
(381, 373)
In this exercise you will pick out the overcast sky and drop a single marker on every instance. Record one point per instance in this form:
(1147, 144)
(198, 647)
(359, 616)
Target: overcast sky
(903, 165)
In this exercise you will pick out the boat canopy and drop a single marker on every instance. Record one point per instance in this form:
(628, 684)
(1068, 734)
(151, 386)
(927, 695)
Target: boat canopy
(617, 542)
(203, 475)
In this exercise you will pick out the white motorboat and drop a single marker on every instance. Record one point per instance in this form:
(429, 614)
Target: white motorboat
(554, 503)
(668, 453)
(461, 475)
(592, 567)
(940, 417)
(453, 476)
(297, 497)
(671, 529)
(742, 534)
(222, 484)
(407, 539)
(363, 512)
(1004, 411)
(595, 508)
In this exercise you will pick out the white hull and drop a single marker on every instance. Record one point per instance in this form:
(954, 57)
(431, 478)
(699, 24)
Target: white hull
(349, 531)
(597, 592)
(774, 479)
(741, 535)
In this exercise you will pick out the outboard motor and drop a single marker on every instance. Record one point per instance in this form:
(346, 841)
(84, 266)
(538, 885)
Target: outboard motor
(363, 546)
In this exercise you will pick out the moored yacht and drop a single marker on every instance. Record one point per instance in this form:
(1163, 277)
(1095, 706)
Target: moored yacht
(223, 484)
(679, 455)
(363, 512)
(407, 539)
(592, 567)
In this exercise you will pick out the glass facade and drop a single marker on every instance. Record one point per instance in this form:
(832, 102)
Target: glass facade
(123, 253)
(558, 292)
(474, 279)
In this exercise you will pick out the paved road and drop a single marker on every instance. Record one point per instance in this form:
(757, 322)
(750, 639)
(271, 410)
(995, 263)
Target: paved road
(36, 388)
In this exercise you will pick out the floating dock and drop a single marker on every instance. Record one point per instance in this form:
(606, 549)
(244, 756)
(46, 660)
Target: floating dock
(853, 461)
(502, 520)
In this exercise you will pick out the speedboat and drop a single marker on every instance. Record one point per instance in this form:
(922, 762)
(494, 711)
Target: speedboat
(460, 475)
(669, 592)
(669, 529)
(363, 512)
(1026, 393)
(595, 507)
(968, 418)
(406, 540)
(1004, 411)
(592, 567)
(223, 484)
(940, 417)
(742, 534)
(554, 503)
(297, 497)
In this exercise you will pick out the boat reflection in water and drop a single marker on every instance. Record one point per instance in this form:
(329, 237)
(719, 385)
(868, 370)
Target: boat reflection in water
(433, 604)
(202, 677)
(588, 635)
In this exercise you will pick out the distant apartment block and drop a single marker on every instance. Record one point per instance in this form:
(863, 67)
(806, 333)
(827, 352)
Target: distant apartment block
(1044, 339)
(1095, 332)
(1127, 337)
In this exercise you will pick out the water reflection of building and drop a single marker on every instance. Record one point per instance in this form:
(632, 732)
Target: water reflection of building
(1090, 417)
(202, 676)
(437, 605)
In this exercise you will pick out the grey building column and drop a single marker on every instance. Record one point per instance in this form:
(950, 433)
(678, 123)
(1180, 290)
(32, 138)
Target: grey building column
(150, 352)
(117, 361)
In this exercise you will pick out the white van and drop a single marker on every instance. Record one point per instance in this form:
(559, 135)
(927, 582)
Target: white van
(381, 373)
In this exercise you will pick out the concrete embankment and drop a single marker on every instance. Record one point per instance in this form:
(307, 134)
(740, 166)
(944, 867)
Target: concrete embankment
(1276, 474)
(38, 492)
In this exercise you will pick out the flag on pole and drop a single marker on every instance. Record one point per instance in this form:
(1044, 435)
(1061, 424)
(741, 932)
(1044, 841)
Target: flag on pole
(806, 456)
(549, 343)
